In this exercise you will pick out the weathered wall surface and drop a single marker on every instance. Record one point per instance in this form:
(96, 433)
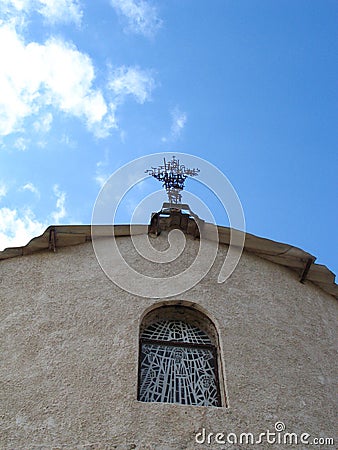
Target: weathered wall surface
(69, 340)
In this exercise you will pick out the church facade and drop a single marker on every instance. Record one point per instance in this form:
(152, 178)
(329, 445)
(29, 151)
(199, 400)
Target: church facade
(248, 362)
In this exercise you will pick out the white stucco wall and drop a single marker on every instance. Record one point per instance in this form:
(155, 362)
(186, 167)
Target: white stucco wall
(69, 340)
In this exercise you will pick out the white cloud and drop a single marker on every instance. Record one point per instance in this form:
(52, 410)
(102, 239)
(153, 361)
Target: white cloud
(18, 5)
(30, 187)
(60, 211)
(54, 11)
(178, 121)
(3, 190)
(35, 76)
(132, 81)
(44, 123)
(101, 174)
(18, 227)
(68, 141)
(101, 178)
(61, 11)
(41, 143)
(20, 144)
(141, 16)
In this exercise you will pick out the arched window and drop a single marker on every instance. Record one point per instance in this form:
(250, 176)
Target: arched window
(178, 359)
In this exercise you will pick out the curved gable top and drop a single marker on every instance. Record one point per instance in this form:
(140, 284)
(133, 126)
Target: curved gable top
(294, 258)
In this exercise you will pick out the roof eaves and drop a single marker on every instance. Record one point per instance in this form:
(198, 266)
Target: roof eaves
(58, 236)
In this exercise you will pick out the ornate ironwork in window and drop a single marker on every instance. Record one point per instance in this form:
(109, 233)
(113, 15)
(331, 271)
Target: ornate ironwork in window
(178, 364)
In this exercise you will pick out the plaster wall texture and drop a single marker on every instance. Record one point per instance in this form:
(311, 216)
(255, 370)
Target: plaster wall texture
(69, 340)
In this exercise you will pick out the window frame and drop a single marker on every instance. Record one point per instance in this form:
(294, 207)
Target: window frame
(213, 348)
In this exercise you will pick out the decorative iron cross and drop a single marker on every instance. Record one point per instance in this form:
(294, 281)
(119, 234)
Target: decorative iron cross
(172, 175)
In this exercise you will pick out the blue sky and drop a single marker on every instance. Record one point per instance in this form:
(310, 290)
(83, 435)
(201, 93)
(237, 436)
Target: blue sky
(248, 85)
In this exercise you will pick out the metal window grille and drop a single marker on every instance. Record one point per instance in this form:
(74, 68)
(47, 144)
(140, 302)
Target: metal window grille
(178, 364)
